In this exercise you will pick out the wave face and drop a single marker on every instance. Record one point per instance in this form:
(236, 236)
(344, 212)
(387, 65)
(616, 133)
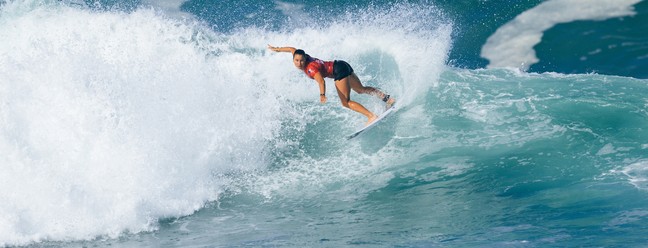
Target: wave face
(169, 123)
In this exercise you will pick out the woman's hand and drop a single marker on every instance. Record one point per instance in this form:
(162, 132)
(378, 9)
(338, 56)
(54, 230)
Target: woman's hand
(281, 49)
(322, 99)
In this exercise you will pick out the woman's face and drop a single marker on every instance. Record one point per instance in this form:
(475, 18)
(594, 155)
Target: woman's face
(299, 61)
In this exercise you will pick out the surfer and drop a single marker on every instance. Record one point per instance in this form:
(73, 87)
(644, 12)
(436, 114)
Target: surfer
(343, 75)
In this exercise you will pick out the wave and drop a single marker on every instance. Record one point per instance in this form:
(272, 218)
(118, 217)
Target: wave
(114, 120)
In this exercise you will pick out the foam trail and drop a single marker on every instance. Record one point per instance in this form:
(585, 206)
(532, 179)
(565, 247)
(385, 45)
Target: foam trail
(512, 44)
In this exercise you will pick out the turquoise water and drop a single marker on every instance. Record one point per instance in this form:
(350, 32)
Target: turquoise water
(169, 124)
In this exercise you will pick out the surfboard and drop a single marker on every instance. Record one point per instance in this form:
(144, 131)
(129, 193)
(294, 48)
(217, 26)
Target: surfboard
(373, 124)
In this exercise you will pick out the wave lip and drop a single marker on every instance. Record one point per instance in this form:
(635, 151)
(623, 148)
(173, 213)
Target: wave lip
(512, 44)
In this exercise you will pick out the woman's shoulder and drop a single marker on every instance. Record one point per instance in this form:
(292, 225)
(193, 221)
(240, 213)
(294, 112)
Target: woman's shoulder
(315, 61)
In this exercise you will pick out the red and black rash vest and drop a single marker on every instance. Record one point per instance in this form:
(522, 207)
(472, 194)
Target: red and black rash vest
(315, 65)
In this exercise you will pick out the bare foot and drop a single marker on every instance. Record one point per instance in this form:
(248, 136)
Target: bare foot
(371, 119)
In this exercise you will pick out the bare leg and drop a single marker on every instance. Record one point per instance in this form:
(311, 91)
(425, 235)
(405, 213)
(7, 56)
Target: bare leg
(344, 92)
(357, 86)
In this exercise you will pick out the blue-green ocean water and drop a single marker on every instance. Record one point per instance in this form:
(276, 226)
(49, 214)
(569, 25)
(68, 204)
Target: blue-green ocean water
(169, 124)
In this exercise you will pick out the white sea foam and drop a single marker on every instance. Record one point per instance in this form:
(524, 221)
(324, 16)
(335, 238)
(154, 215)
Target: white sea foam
(512, 44)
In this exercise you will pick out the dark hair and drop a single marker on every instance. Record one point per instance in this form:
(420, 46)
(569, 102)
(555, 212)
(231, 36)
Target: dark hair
(300, 52)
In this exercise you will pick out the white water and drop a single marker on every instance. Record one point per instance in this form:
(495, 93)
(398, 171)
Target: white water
(111, 121)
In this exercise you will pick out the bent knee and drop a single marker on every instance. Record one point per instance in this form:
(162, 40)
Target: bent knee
(352, 104)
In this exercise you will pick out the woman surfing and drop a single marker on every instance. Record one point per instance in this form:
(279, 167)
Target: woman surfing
(343, 75)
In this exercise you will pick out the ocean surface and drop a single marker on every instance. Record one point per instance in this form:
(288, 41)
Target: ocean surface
(144, 123)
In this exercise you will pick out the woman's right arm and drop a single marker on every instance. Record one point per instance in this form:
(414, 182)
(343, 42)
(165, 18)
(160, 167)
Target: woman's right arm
(290, 50)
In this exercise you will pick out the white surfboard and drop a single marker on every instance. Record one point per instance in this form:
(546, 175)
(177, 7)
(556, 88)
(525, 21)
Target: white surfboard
(367, 127)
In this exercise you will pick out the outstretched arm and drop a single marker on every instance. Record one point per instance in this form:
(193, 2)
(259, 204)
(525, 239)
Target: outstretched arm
(282, 49)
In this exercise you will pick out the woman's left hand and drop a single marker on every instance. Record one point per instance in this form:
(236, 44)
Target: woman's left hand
(322, 99)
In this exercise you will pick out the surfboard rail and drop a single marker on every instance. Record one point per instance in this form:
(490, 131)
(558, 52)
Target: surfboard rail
(372, 124)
